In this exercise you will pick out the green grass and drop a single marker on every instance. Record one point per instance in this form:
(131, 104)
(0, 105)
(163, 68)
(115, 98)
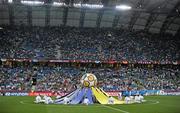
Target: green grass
(167, 104)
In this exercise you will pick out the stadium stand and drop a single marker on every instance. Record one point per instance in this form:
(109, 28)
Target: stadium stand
(87, 44)
(67, 79)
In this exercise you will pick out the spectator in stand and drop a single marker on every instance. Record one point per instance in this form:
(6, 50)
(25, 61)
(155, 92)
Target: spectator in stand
(72, 43)
(66, 79)
(69, 43)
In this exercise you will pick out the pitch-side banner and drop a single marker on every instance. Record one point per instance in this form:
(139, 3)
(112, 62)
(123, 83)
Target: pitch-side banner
(93, 61)
(112, 93)
(16, 94)
(48, 93)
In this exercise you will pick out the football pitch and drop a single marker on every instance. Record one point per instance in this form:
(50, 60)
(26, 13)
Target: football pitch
(154, 104)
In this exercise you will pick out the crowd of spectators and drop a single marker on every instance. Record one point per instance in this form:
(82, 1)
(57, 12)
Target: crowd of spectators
(66, 79)
(71, 43)
(86, 44)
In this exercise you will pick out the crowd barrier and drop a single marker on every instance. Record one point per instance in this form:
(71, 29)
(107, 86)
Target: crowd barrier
(111, 93)
(21, 93)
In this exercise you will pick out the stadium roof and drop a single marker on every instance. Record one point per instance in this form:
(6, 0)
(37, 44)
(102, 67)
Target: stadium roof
(158, 16)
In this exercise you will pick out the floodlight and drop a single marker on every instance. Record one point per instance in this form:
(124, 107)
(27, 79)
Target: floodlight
(32, 2)
(10, 1)
(91, 6)
(123, 7)
(58, 4)
(78, 5)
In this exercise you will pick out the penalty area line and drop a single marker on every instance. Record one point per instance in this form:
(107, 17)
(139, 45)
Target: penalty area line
(116, 109)
(21, 102)
(155, 101)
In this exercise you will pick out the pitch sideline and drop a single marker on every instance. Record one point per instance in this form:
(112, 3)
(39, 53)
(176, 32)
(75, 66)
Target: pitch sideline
(115, 109)
(155, 102)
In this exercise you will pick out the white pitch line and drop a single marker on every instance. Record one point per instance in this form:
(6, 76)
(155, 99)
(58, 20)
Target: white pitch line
(155, 102)
(116, 109)
(21, 102)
